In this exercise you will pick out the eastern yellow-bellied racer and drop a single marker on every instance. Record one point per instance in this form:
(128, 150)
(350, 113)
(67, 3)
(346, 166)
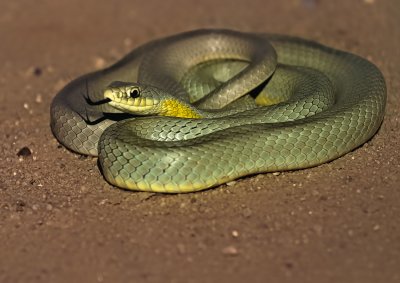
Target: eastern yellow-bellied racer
(328, 103)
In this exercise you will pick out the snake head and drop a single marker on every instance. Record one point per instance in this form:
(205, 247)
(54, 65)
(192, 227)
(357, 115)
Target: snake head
(132, 98)
(142, 99)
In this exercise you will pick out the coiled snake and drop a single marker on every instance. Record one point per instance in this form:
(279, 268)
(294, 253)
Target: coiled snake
(317, 104)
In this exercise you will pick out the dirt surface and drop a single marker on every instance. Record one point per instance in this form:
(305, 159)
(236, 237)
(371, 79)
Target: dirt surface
(61, 222)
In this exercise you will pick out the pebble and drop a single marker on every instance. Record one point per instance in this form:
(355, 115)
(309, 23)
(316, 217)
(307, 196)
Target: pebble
(34, 71)
(289, 265)
(103, 202)
(181, 248)
(83, 189)
(231, 183)
(235, 233)
(99, 63)
(246, 212)
(128, 42)
(276, 173)
(38, 98)
(20, 205)
(24, 152)
(230, 250)
(37, 71)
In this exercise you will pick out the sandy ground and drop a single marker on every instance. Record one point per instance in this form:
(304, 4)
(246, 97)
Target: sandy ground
(61, 222)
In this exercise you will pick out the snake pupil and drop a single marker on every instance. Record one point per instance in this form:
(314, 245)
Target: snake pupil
(134, 93)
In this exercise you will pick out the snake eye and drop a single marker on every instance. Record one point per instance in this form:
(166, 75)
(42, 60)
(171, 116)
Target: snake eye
(134, 93)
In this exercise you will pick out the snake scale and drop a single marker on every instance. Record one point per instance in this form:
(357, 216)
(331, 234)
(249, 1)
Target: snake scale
(313, 104)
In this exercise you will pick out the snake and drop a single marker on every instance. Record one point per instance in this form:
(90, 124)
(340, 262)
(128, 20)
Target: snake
(198, 109)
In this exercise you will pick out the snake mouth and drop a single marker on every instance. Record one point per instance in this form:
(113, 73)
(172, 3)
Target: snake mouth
(131, 109)
(95, 103)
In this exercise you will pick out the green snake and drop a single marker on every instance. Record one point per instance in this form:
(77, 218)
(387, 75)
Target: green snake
(201, 108)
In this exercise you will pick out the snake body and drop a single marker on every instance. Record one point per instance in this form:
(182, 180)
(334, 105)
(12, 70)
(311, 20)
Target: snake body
(333, 102)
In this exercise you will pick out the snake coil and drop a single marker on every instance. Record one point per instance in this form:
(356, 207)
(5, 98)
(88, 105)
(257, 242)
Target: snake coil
(333, 102)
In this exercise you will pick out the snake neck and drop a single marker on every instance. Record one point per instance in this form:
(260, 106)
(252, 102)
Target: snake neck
(176, 108)
(181, 109)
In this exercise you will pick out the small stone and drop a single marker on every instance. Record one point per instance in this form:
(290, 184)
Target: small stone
(288, 265)
(235, 233)
(24, 152)
(181, 248)
(128, 42)
(38, 98)
(231, 183)
(247, 212)
(37, 71)
(276, 173)
(323, 198)
(19, 205)
(230, 250)
(83, 189)
(35, 207)
(99, 63)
